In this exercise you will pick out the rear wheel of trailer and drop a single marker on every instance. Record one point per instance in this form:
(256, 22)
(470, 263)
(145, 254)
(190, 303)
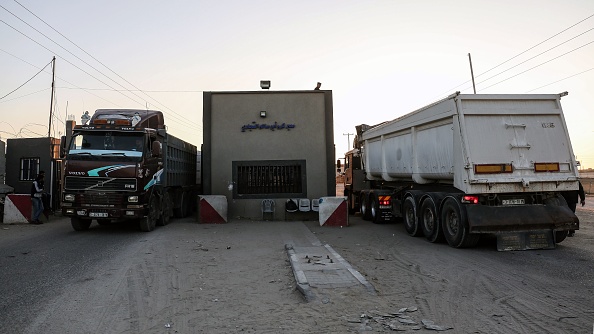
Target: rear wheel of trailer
(455, 226)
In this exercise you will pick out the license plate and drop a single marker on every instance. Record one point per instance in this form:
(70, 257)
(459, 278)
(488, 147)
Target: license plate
(98, 214)
(517, 201)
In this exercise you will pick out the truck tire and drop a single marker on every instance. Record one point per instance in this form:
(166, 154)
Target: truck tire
(350, 202)
(365, 212)
(455, 226)
(149, 222)
(430, 222)
(374, 208)
(103, 222)
(560, 236)
(410, 217)
(182, 209)
(80, 224)
(166, 210)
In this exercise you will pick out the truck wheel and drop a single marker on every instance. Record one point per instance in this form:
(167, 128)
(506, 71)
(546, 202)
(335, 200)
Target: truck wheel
(430, 222)
(374, 208)
(365, 212)
(103, 222)
(410, 218)
(455, 226)
(350, 202)
(560, 236)
(80, 224)
(148, 223)
(165, 211)
(181, 210)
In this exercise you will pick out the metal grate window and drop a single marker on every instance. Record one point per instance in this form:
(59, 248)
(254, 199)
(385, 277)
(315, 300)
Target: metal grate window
(29, 169)
(263, 179)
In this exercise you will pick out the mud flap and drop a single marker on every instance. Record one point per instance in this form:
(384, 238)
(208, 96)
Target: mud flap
(510, 241)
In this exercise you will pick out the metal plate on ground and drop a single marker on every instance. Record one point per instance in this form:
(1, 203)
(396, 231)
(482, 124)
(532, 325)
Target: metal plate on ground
(525, 240)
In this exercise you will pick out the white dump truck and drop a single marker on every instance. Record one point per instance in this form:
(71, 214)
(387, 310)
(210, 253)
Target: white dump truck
(469, 165)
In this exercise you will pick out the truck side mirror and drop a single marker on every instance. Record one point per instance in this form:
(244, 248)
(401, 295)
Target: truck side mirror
(62, 146)
(156, 148)
(338, 164)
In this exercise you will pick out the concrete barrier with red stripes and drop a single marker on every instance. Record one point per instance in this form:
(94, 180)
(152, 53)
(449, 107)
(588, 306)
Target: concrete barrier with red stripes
(18, 209)
(334, 211)
(212, 209)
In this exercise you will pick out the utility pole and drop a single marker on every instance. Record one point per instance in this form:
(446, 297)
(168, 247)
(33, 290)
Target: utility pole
(52, 98)
(49, 132)
(471, 73)
(348, 139)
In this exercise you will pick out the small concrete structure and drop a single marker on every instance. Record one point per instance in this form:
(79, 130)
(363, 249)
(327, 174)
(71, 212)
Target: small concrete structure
(212, 209)
(333, 211)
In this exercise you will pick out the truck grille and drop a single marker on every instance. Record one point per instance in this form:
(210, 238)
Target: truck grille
(99, 199)
(100, 183)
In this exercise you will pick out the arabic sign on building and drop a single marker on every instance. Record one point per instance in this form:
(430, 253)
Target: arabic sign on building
(262, 126)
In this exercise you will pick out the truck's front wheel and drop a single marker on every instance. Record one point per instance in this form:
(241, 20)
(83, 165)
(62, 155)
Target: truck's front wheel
(148, 223)
(560, 236)
(351, 202)
(80, 224)
(455, 226)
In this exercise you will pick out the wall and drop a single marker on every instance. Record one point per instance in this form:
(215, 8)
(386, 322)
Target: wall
(226, 114)
(17, 148)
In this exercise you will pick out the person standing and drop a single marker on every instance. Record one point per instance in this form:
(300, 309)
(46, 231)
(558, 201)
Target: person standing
(572, 198)
(36, 198)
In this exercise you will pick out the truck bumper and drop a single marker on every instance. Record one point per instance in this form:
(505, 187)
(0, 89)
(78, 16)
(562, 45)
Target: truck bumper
(487, 219)
(121, 214)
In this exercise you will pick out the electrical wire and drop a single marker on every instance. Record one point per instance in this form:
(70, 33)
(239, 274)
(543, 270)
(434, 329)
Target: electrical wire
(519, 54)
(137, 89)
(66, 60)
(57, 76)
(554, 82)
(26, 81)
(540, 54)
(548, 61)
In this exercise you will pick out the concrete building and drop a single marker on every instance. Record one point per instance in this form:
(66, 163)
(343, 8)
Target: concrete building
(268, 145)
(25, 157)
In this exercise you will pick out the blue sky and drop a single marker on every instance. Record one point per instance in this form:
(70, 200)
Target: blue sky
(381, 59)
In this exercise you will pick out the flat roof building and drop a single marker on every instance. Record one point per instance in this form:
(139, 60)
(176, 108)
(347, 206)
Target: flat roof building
(261, 145)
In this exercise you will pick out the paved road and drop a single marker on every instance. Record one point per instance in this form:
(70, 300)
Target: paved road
(237, 277)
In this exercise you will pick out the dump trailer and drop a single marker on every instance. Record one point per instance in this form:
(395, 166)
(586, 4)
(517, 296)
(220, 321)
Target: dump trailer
(469, 165)
(124, 166)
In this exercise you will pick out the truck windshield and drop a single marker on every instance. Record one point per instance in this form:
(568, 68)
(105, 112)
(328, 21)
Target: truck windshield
(107, 144)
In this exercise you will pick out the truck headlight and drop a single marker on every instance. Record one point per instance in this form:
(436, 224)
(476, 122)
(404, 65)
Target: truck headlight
(69, 198)
(133, 199)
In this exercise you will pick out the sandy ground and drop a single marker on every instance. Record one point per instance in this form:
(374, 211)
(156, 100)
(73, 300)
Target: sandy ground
(236, 277)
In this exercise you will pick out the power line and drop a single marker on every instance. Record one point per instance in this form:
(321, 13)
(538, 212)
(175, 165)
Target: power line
(173, 118)
(548, 61)
(63, 48)
(554, 82)
(148, 91)
(555, 35)
(554, 47)
(65, 59)
(26, 81)
(137, 89)
(519, 54)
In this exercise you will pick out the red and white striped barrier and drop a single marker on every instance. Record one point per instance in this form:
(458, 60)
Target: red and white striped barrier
(334, 211)
(18, 209)
(212, 209)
